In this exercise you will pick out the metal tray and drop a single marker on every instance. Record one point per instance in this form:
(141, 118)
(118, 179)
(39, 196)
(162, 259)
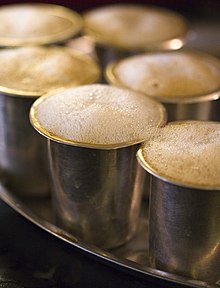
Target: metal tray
(132, 256)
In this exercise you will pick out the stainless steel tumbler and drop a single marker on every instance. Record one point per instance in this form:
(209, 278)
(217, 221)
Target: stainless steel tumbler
(185, 81)
(26, 74)
(184, 213)
(26, 24)
(22, 151)
(97, 181)
(184, 230)
(97, 192)
(133, 29)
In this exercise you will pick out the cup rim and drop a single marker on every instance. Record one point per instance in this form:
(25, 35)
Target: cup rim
(149, 168)
(191, 99)
(54, 9)
(74, 53)
(51, 136)
(163, 44)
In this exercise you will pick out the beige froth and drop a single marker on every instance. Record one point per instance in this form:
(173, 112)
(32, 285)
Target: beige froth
(99, 114)
(186, 153)
(23, 24)
(169, 75)
(37, 70)
(132, 26)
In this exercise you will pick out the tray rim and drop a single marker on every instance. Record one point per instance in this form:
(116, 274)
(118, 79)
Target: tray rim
(24, 210)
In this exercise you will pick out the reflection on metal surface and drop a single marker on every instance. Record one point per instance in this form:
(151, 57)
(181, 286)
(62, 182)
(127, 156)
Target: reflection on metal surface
(176, 44)
(40, 214)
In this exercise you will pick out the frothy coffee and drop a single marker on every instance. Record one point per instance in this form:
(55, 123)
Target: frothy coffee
(132, 26)
(23, 24)
(33, 71)
(97, 114)
(186, 153)
(168, 76)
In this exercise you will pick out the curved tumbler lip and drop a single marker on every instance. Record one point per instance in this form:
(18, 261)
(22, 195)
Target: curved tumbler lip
(51, 136)
(95, 75)
(171, 43)
(111, 78)
(149, 168)
(75, 27)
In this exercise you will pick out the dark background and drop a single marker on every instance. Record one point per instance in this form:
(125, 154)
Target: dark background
(33, 258)
(192, 8)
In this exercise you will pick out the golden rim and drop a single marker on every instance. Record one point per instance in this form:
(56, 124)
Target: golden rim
(36, 124)
(109, 74)
(173, 43)
(95, 76)
(76, 25)
(169, 45)
(149, 168)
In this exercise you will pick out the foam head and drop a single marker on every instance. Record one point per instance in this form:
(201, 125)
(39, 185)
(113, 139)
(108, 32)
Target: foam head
(168, 76)
(186, 153)
(42, 69)
(97, 114)
(25, 24)
(132, 26)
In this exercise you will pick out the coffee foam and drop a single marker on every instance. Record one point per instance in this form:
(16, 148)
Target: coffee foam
(25, 21)
(169, 75)
(132, 26)
(40, 70)
(186, 153)
(100, 114)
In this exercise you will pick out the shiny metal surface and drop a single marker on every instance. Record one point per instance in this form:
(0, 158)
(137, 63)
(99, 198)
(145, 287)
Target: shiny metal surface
(40, 214)
(108, 45)
(114, 42)
(216, 109)
(106, 55)
(184, 235)
(23, 152)
(179, 107)
(96, 192)
(194, 111)
(184, 214)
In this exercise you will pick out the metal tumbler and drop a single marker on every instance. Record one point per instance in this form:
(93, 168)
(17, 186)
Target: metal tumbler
(184, 213)
(97, 192)
(28, 24)
(185, 81)
(133, 29)
(23, 152)
(97, 181)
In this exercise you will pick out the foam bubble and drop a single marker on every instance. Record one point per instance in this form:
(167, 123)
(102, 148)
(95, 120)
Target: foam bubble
(186, 152)
(40, 70)
(100, 114)
(168, 75)
(132, 26)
